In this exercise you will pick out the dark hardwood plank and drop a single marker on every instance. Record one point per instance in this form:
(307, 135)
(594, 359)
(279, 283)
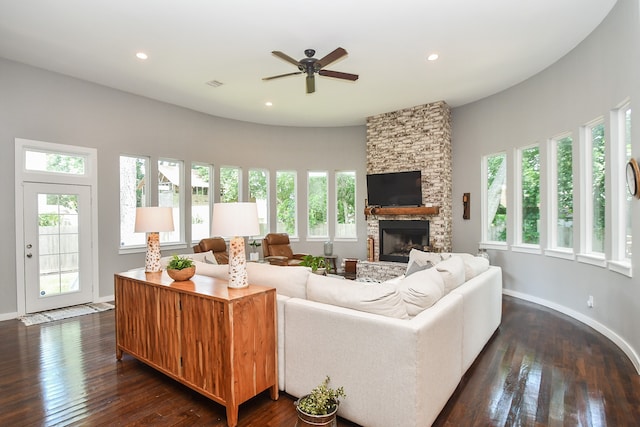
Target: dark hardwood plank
(540, 369)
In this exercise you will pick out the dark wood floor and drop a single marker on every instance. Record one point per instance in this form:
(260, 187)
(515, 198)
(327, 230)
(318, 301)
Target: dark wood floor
(540, 369)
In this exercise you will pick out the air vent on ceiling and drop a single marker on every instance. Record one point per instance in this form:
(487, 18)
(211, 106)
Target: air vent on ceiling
(214, 83)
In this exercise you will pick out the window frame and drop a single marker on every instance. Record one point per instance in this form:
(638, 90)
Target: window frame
(354, 236)
(179, 223)
(485, 243)
(267, 225)
(146, 201)
(518, 244)
(318, 237)
(210, 197)
(295, 235)
(621, 201)
(552, 248)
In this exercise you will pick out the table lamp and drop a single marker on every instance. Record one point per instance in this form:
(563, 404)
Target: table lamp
(152, 220)
(235, 220)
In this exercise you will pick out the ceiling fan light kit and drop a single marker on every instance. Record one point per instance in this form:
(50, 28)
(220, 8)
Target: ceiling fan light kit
(312, 66)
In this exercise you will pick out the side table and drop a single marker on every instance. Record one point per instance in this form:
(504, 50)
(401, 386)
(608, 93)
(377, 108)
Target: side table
(331, 262)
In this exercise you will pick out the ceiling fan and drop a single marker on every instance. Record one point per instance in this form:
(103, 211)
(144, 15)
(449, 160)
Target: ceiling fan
(310, 66)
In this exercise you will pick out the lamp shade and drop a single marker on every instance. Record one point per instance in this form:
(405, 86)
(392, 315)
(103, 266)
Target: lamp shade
(153, 219)
(235, 219)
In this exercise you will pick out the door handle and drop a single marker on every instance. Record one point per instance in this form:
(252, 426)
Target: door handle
(29, 246)
(29, 255)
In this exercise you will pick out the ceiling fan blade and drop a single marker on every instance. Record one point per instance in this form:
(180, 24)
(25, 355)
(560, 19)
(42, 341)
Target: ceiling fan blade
(311, 84)
(281, 75)
(332, 57)
(338, 75)
(285, 57)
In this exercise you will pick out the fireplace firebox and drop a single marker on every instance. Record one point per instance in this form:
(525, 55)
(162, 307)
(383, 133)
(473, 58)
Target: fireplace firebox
(398, 237)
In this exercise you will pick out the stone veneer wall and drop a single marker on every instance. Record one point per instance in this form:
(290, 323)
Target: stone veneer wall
(416, 138)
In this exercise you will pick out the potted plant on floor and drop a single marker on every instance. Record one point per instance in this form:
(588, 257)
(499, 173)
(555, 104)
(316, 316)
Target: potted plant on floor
(317, 263)
(320, 407)
(181, 268)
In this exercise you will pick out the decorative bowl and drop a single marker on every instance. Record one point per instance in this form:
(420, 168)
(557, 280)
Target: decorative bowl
(182, 275)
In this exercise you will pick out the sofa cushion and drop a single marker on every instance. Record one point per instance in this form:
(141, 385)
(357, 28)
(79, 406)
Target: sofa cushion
(421, 290)
(206, 257)
(376, 298)
(417, 265)
(219, 271)
(289, 281)
(452, 271)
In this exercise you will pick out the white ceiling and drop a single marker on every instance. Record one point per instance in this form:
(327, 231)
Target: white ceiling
(484, 47)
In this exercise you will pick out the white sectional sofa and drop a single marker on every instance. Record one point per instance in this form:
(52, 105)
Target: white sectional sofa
(399, 348)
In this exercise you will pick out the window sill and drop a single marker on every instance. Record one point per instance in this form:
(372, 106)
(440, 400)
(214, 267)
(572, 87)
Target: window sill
(622, 267)
(560, 253)
(527, 249)
(592, 259)
(498, 246)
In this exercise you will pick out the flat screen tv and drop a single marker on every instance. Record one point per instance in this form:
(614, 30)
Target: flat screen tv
(395, 189)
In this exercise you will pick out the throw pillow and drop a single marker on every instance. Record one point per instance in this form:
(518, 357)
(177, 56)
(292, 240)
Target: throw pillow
(452, 271)
(423, 257)
(418, 265)
(421, 290)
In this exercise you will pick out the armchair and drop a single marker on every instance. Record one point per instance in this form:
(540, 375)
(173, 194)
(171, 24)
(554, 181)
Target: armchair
(277, 250)
(217, 245)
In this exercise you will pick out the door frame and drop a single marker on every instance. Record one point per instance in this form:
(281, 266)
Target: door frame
(22, 175)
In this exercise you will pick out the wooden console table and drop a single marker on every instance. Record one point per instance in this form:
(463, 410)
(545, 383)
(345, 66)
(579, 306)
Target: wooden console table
(218, 341)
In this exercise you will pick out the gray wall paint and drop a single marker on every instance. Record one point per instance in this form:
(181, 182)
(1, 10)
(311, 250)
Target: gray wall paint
(589, 82)
(40, 105)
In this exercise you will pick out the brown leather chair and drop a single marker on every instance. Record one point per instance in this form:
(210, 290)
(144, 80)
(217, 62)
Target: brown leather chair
(277, 250)
(217, 245)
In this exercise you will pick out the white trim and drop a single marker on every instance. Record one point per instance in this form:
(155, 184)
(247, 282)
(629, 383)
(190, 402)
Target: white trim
(561, 253)
(8, 316)
(89, 179)
(498, 246)
(527, 249)
(622, 267)
(611, 335)
(593, 259)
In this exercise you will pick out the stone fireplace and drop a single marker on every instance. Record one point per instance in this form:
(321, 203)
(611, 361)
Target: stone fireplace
(416, 138)
(397, 238)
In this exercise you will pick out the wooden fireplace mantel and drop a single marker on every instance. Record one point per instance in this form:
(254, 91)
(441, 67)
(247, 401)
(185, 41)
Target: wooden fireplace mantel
(402, 210)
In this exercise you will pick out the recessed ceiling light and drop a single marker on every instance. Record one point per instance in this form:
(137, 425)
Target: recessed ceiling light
(141, 55)
(268, 104)
(432, 57)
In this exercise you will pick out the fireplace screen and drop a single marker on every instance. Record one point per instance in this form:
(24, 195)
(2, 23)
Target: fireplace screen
(397, 238)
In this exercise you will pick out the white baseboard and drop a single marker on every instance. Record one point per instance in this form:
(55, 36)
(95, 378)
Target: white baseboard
(109, 298)
(615, 338)
(8, 316)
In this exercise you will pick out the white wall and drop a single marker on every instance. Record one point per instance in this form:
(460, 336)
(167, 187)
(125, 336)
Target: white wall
(588, 82)
(40, 105)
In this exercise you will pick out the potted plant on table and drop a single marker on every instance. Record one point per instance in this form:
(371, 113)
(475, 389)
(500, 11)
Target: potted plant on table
(320, 407)
(317, 263)
(181, 268)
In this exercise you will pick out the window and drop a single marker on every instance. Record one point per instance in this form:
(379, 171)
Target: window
(627, 244)
(621, 200)
(229, 184)
(43, 161)
(259, 193)
(286, 203)
(317, 196)
(595, 188)
(529, 195)
(561, 193)
(345, 205)
(201, 184)
(170, 178)
(133, 194)
(495, 199)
